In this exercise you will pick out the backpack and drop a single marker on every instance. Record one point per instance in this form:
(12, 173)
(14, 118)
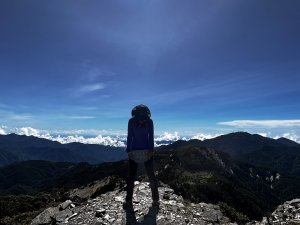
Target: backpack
(141, 112)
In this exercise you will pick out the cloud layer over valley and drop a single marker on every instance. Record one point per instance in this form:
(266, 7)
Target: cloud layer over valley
(117, 138)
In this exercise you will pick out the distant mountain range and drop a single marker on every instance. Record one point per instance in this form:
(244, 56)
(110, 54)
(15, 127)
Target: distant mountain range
(282, 155)
(20, 148)
(235, 143)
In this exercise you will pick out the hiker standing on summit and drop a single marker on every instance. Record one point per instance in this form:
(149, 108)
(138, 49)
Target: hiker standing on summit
(140, 147)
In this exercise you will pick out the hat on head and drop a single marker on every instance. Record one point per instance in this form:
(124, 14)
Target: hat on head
(141, 112)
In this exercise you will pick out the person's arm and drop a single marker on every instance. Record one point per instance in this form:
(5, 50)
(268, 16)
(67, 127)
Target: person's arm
(151, 136)
(129, 136)
(151, 140)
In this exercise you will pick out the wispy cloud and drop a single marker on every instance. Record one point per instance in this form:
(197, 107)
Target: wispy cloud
(87, 132)
(21, 117)
(262, 123)
(4, 106)
(81, 117)
(9, 115)
(85, 89)
(91, 87)
(92, 71)
(204, 91)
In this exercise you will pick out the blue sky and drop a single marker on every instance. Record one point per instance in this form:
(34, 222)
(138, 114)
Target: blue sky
(200, 66)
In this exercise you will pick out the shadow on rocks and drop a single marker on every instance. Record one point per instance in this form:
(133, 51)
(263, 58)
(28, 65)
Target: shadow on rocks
(148, 219)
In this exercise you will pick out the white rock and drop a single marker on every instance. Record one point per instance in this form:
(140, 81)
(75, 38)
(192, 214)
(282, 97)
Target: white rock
(119, 199)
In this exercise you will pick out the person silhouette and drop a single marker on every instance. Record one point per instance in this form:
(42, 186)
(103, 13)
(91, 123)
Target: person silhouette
(140, 147)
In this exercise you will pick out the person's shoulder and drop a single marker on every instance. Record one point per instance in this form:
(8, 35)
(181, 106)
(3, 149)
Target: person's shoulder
(150, 120)
(131, 121)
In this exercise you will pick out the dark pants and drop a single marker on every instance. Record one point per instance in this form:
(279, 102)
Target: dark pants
(152, 179)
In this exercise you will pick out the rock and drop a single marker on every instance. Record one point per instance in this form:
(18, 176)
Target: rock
(100, 212)
(286, 214)
(45, 217)
(63, 215)
(57, 214)
(94, 189)
(75, 214)
(119, 199)
(65, 204)
(294, 202)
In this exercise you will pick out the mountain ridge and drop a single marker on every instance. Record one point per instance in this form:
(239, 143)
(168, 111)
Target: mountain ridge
(234, 143)
(15, 147)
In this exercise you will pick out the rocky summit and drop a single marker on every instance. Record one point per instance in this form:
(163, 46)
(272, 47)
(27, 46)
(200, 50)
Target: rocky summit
(108, 209)
(285, 214)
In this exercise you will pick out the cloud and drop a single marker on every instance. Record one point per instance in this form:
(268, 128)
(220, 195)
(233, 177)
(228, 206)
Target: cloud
(95, 72)
(2, 131)
(86, 89)
(6, 115)
(92, 71)
(28, 131)
(263, 134)
(99, 139)
(118, 138)
(262, 123)
(87, 132)
(291, 136)
(202, 136)
(4, 106)
(81, 117)
(90, 136)
(166, 136)
(20, 117)
(91, 87)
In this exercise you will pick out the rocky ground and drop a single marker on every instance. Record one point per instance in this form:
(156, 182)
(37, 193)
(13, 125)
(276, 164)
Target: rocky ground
(285, 214)
(107, 209)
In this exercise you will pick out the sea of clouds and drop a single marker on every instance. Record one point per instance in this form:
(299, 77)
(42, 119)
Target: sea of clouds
(116, 138)
(103, 137)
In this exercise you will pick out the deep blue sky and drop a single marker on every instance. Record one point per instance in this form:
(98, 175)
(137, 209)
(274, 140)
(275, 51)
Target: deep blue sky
(69, 65)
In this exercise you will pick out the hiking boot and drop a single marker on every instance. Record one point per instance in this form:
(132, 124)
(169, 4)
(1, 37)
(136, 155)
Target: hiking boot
(155, 204)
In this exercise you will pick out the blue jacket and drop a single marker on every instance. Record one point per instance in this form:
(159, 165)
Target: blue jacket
(140, 138)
